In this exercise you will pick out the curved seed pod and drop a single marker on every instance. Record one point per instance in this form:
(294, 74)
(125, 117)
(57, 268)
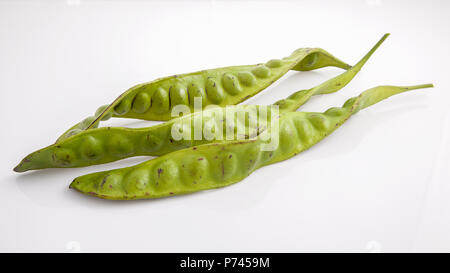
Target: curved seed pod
(107, 144)
(294, 101)
(159, 140)
(221, 86)
(221, 164)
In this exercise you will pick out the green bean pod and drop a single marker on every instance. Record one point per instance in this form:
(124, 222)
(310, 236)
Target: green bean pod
(221, 164)
(107, 144)
(297, 99)
(221, 86)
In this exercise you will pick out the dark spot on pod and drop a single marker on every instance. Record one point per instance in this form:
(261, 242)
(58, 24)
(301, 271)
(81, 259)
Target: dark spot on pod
(63, 157)
(104, 181)
(194, 170)
(153, 140)
(213, 91)
(109, 182)
(261, 71)
(91, 148)
(246, 78)
(229, 165)
(231, 84)
(195, 91)
(167, 174)
(160, 101)
(123, 107)
(274, 63)
(119, 145)
(141, 102)
(309, 60)
(178, 95)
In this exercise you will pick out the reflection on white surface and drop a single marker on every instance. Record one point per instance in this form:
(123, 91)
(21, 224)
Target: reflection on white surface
(377, 184)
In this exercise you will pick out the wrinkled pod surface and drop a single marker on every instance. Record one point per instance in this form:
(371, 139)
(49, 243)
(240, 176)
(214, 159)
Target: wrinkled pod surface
(102, 145)
(220, 164)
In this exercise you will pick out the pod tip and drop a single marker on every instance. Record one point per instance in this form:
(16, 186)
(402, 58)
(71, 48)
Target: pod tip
(71, 186)
(19, 168)
(427, 85)
(384, 37)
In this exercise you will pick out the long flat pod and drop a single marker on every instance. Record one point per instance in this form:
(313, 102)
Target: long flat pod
(221, 164)
(221, 86)
(102, 145)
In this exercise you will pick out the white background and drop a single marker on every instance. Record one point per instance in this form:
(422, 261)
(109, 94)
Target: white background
(379, 183)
